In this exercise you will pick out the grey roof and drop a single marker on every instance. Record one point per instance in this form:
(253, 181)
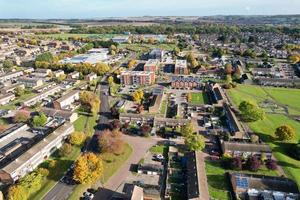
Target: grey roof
(246, 147)
(186, 79)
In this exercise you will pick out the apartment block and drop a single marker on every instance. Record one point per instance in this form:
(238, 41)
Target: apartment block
(31, 82)
(137, 78)
(181, 67)
(151, 65)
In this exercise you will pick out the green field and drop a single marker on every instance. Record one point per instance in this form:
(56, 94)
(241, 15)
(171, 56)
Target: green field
(265, 128)
(147, 47)
(199, 98)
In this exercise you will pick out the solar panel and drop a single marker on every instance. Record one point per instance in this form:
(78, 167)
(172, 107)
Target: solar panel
(242, 182)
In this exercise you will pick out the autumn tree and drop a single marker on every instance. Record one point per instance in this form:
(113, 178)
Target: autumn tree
(17, 192)
(101, 68)
(91, 101)
(228, 68)
(138, 96)
(131, 63)
(251, 112)
(21, 116)
(194, 142)
(187, 130)
(88, 168)
(285, 132)
(19, 91)
(77, 138)
(110, 80)
(111, 142)
(236, 163)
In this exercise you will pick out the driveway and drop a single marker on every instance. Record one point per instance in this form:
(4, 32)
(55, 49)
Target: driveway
(140, 147)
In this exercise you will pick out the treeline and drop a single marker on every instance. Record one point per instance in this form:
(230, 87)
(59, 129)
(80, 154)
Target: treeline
(208, 28)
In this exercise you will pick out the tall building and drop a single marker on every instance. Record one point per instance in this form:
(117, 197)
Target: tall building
(137, 78)
(151, 65)
(181, 67)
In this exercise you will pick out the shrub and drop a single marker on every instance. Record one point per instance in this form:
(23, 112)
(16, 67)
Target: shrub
(253, 163)
(271, 164)
(236, 163)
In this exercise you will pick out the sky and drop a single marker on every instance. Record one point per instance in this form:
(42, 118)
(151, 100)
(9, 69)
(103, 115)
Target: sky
(45, 9)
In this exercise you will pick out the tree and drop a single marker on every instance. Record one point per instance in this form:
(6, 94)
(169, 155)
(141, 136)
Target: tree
(17, 192)
(65, 149)
(19, 91)
(176, 51)
(131, 63)
(285, 132)
(77, 138)
(39, 120)
(236, 163)
(228, 68)
(145, 130)
(228, 79)
(194, 142)
(110, 80)
(21, 116)
(271, 164)
(251, 112)
(8, 63)
(253, 163)
(187, 130)
(91, 101)
(101, 68)
(138, 96)
(88, 168)
(254, 138)
(294, 58)
(115, 124)
(111, 142)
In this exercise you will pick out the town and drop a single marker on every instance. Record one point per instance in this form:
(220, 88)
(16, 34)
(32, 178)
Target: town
(188, 110)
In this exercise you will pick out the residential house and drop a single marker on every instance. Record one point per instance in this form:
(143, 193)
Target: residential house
(10, 76)
(42, 96)
(260, 187)
(31, 82)
(65, 114)
(42, 73)
(216, 94)
(90, 77)
(186, 82)
(73, 75)
(66, 100)
(246, 149)
(6, 98)
(35, 155)
(233, 124)
(58, 73)
(197, 188)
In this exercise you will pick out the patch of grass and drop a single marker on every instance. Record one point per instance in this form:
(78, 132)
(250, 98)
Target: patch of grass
(111, 164)
(266, 128)
(163, 107)
(219, 185)
(158, 149)
(199, 98)
(62, 163)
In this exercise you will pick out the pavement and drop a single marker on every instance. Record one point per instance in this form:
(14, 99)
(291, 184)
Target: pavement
(60, 191)
(140, 147)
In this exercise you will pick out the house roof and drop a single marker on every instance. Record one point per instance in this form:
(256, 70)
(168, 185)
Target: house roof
(245, 147)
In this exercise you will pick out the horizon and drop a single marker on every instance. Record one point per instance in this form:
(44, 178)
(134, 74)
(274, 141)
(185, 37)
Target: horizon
(93, 9)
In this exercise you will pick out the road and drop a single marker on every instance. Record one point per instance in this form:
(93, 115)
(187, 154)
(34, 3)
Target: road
(140, 146)
(62, 191)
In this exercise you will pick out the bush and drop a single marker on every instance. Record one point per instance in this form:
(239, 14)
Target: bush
(271, 164)
(65, 149)
(236, 163)
(253, 163)
(285, 132)
(77, 138)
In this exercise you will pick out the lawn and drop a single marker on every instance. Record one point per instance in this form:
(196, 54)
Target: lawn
(218, 184)
(65, 162)
(111, 164)
(199, 98)
(163, 107)
(265, 128)
(158, 149)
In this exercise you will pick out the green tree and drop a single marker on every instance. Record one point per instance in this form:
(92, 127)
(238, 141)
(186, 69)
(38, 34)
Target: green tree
(110, 80)
(65, 149)
(251, 112)
(19, 91)
(285, 132)
(187, 129)
(8, 63)
(194, 142)
(39, 120)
